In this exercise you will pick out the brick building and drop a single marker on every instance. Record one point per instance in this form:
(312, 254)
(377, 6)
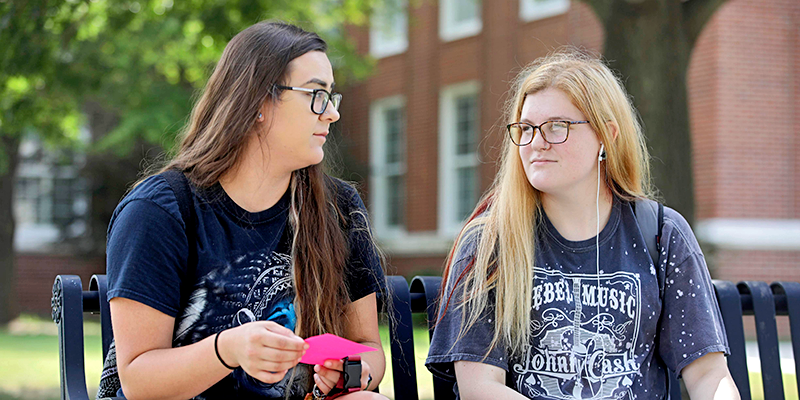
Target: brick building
(426, 126)
(422, 132)
(745, 71)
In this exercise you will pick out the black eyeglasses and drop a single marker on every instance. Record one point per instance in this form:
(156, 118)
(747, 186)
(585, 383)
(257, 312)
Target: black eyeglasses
(319, 98)
(553, 132)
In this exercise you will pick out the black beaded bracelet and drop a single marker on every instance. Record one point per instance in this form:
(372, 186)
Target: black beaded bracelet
(216, 350)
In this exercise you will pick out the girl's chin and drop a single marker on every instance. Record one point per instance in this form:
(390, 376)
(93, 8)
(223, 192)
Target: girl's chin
(316, 158)
(309, 162)
(545, 187)
(539, 182)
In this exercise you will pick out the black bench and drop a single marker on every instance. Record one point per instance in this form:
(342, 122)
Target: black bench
(69, 302)
(765, 301)
(760, 299)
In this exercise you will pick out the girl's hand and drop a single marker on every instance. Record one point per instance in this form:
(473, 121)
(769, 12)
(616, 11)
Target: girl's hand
(264, 349)
(327, 375)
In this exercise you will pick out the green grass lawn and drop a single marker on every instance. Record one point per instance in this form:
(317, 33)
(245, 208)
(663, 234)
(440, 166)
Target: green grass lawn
(29, 354)
(29, 366)
(789, 386)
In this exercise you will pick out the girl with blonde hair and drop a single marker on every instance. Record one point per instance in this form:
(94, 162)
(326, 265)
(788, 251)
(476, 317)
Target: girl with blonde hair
(549, 291)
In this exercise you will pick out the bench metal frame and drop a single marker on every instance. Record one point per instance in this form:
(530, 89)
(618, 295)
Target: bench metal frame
(764, 301)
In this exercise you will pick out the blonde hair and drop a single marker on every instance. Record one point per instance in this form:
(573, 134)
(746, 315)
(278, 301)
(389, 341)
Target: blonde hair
(500, 235)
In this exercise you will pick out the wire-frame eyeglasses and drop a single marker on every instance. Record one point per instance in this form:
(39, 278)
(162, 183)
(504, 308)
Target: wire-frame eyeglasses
(553, 132)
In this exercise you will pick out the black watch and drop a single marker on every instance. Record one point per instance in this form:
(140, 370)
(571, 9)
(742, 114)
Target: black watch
(317, 394)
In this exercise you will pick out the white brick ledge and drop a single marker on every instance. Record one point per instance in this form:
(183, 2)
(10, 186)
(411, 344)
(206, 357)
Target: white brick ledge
(416, 244)
(750, 234)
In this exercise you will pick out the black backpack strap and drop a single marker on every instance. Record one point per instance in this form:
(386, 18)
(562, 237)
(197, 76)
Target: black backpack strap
(650, 217)
(183, 193)
(109, 380)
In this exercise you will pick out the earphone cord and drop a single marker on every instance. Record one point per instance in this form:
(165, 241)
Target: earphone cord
(597, 262)
(597, 237)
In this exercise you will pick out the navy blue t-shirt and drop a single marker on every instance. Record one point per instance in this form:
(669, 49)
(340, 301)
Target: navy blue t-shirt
(595, 332)
(243, 270)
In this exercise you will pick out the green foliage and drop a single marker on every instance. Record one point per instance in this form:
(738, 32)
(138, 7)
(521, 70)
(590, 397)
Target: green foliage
(147, 60)
(143, 61)
(30, 96)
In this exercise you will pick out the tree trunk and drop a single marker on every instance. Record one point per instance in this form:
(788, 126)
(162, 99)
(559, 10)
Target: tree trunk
(647, 44)
(8, 297)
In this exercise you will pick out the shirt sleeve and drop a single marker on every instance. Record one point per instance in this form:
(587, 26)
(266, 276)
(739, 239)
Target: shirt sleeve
(146, 253)
(447, 343)
(691, 323)
(364, 274)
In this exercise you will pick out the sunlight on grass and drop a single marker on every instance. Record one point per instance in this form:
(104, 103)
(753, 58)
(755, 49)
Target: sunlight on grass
(789, 386)
(424, 378)
(30, 367)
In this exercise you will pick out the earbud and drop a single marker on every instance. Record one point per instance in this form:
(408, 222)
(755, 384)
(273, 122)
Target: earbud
(602, 155)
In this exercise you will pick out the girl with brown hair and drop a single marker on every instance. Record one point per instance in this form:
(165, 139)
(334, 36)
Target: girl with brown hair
(216, 305)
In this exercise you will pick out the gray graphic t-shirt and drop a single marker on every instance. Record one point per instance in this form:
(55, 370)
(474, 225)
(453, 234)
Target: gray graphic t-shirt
(598, 333)
(243, 270)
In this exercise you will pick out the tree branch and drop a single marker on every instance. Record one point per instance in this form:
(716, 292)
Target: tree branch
(696, 14)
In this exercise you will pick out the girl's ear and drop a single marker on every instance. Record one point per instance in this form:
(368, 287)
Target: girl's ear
(262, 113)
(613, 128)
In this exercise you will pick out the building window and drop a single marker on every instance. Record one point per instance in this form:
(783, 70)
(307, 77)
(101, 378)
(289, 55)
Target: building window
(388, 33)
(459, 132)
(459, 19)
(530, 10)
(66, 192)
(50, 199)
(388, 165)
(28, 202)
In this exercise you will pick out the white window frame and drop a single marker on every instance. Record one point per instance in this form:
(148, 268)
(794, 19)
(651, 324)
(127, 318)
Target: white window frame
(449, 161)
(379, 45)
(39, 236)
(530, 10)
(450, 30)
(380, 169)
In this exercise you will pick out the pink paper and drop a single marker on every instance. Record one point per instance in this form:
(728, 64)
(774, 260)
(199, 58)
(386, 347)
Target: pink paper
(331, 347)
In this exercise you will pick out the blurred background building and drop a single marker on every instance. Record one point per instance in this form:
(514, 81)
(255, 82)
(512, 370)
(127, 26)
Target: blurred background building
(422, 135)
(427, 125)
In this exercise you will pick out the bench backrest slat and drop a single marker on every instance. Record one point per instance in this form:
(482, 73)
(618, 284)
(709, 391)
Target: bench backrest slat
(429, 287)
(99, 284)
(791, 293)
(402, 343)
(767, 333)
(730, 306)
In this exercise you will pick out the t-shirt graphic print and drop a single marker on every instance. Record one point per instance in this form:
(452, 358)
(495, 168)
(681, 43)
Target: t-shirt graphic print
(576, 351)
(241, 272)
(257, 287)
(607, 332)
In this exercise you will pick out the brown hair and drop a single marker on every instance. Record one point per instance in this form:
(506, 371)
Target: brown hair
(223, 119)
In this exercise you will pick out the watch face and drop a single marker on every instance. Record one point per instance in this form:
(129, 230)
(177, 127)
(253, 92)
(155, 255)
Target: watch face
(318, 395)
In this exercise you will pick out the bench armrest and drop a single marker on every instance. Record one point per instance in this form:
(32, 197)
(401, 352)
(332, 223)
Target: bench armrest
(67, 313)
